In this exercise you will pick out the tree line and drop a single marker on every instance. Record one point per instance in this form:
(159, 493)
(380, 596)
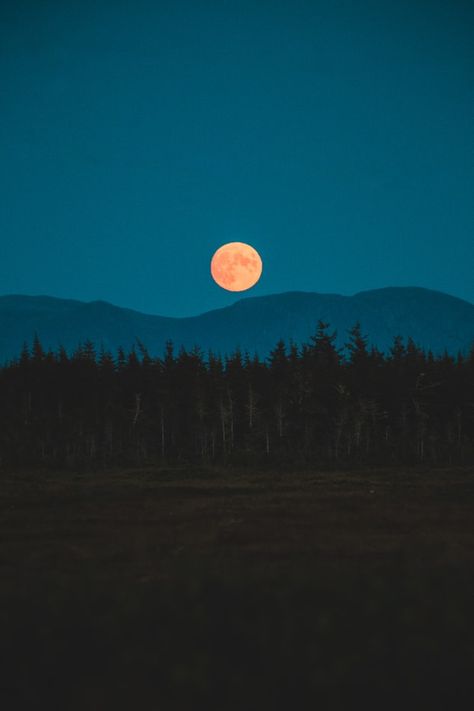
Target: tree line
(315, 404)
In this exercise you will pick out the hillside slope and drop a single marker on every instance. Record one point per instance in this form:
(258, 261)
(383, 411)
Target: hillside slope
(434, 320)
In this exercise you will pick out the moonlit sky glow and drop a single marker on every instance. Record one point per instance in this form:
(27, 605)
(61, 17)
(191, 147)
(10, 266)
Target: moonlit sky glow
(137, 137)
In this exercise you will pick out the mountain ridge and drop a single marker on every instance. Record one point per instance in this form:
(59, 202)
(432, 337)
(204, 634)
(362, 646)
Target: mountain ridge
(436, 321)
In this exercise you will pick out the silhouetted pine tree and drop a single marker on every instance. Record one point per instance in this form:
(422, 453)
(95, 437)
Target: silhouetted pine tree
(299, 405)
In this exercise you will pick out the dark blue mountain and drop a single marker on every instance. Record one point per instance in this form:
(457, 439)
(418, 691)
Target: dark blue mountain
(433, 319)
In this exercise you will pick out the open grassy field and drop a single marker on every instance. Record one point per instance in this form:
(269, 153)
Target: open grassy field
(189, 589)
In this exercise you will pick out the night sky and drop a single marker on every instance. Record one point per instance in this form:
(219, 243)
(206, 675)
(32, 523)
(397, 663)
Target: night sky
(136, 137)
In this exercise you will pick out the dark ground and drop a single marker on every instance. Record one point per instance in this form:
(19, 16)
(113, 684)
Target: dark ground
(189, 589)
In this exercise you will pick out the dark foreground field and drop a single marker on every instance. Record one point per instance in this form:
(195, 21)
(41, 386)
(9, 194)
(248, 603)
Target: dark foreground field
(160, 589)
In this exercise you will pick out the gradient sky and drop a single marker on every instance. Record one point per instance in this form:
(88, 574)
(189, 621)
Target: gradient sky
(138, 136)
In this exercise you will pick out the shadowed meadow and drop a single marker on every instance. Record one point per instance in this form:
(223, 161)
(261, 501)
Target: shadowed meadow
(212, 588)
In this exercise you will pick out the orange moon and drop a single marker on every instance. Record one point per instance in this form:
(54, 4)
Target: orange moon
(236, 266)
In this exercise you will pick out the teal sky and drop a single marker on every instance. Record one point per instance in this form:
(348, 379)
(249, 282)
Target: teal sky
(136, 137)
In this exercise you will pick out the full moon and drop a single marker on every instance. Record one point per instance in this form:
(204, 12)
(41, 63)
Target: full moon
(236, 266)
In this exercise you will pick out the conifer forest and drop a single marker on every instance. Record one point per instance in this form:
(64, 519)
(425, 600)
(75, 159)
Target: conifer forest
(308, 405)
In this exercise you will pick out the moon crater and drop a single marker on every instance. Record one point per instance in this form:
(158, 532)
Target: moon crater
(236, 266)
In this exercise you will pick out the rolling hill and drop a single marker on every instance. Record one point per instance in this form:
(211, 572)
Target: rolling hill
(433, 319)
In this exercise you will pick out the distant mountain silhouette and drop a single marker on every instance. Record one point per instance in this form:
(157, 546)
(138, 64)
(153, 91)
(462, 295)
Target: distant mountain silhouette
(434, 320)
